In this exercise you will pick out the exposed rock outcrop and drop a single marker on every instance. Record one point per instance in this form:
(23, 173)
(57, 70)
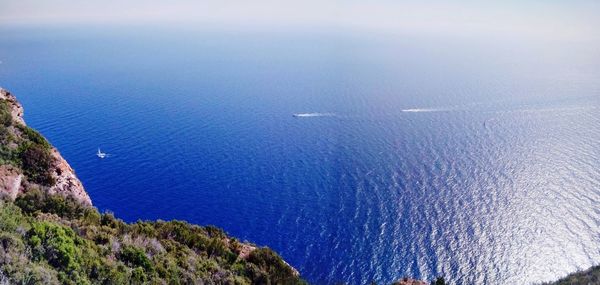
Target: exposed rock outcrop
(408, 281)
(10, 181)
(66, 182)
(15, 106)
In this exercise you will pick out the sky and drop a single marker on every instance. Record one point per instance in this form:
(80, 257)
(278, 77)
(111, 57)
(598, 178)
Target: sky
(569, 20)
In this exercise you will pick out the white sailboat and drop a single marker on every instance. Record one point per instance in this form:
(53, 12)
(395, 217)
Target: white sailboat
(101, 154)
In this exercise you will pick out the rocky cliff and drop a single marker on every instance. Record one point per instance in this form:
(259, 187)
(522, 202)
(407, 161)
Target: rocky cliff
(13, 178)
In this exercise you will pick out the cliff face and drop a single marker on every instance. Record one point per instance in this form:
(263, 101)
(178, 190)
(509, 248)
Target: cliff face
(67, 183)
(13, 179)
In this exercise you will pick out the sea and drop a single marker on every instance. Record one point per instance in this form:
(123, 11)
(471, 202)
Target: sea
(358, 157)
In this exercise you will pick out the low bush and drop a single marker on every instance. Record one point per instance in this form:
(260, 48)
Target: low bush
(37, 163)
(271, 268)
(35, 200)
(136, 257)
(5, 116)
(55, 244)
(33, 136)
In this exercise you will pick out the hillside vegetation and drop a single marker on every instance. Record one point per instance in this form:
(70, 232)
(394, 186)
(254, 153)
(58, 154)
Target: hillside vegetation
(24, 149)
(50, 239)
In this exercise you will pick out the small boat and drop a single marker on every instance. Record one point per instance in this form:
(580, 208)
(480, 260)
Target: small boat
(101, 154)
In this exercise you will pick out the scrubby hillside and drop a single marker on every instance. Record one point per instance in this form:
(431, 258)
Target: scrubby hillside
(51, 239)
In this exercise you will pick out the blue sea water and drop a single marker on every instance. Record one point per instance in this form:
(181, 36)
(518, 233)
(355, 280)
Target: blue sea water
(416, 156)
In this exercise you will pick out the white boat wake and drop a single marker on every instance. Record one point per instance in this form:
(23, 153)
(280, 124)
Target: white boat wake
(304, 115)
(426, 110)
(422, 110)
(492, 109)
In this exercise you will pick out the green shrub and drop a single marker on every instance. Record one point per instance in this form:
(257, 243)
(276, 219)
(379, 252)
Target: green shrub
(116, 275)
(215, 232)
(136, 257)
(108, 220)
(90, 216)
(36, 200)
(216, 247)
(10, 242)
(5, 116)
(34, 136)
(9, 156)
(11, 217)
(5, 134)
(37, 162)
(54, 243)
(31, 201)
(102, 238)
(192, 236)
(38, 274)
(272, 268)
(143, 228)
(138, 276)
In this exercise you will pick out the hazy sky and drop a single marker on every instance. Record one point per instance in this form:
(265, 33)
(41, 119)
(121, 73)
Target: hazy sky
(576, 20)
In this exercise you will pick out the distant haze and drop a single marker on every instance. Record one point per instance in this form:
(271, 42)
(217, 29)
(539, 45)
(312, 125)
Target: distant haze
(568, 20)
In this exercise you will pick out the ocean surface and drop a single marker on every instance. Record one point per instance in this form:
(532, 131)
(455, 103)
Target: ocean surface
(358, 157)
